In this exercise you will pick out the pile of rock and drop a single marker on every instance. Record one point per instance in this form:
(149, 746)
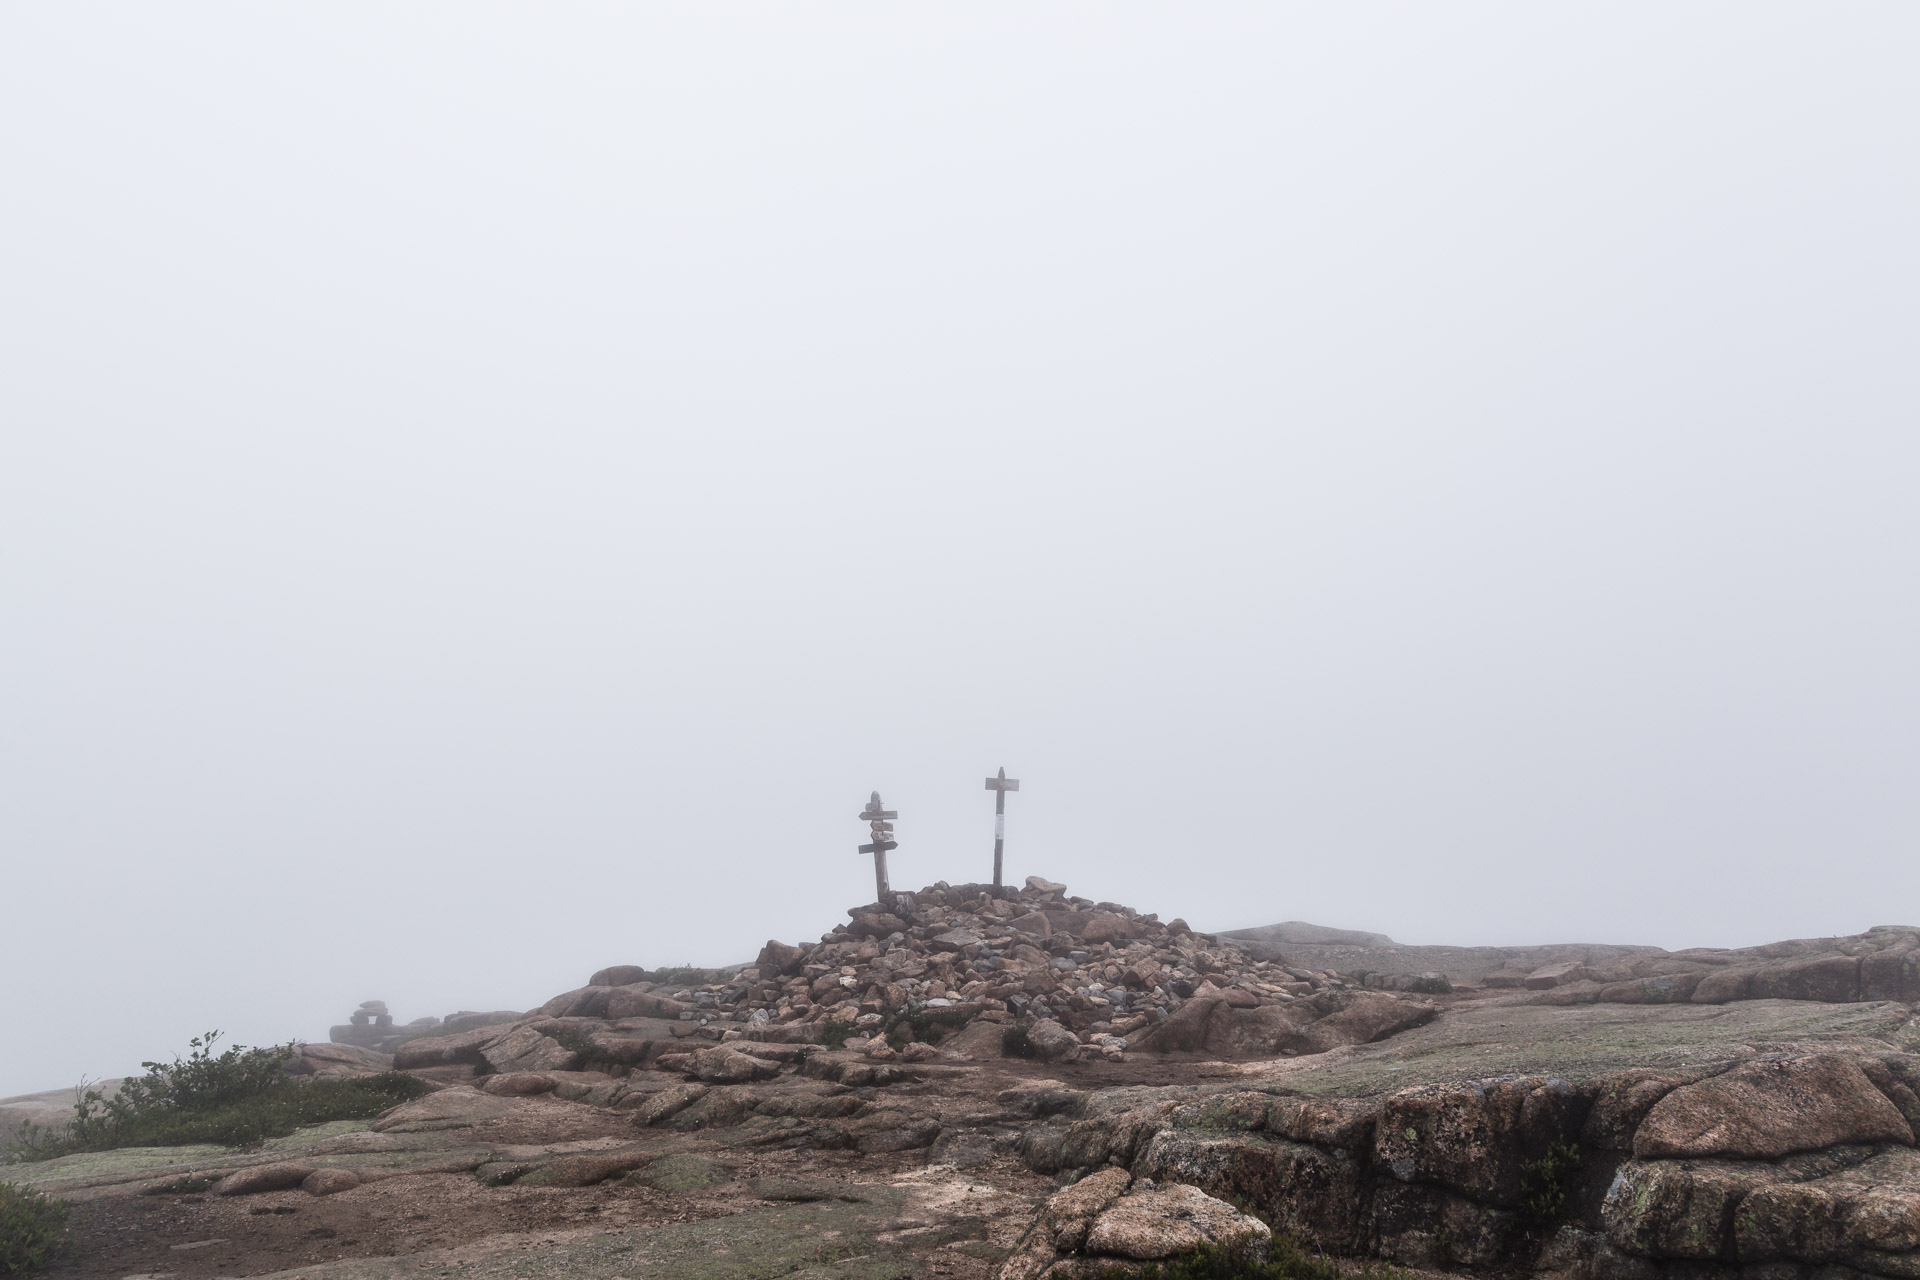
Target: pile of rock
(1091, 979)
(366, 1026)
(978, 970)
(371, 1027)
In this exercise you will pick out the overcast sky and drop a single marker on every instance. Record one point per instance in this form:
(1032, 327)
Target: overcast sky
(486, 491)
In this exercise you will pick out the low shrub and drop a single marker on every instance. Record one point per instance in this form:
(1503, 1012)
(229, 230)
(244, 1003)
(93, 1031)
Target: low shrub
(592, 1056)
(924, 1027)
(1543, 1184)
(915, 1026)
(237, 1098)
(33, 1229)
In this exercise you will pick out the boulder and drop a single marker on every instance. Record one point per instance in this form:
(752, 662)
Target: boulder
(1548, 976)
(729, 1066)
(1723, 986)
(1070, 1213)
(586, 1168)
(439, 1051)
(1430, 1227)
(891, 1130)
(1106, 1217)
(524, 1049)
(1262, 1030)
(1664, 988)
(1846, 1206)
(779, 957)
(636, 1002)
(1668, 1209)
(327, 1182)
(1105, 926)
(467, 1020)
(1834, 979)
(1062, 1224)
(263, 1177)
(584, 1002)
(1150, 1225)
(1037, 1099)
(338, 1061)
(1474, 1139)
(1770, 1108)
(618, 975)
(517, 1084)
(668, 1102)
(1891, 975)
(1621, 1101)
(1034, 922)
(1316, 1195)
(1185, 1030)
(1359, 1017)
(876, 924)
(626, 1051)
(1042, 886)
(1342, 1123)
(1050, 1040)
(456, 1108)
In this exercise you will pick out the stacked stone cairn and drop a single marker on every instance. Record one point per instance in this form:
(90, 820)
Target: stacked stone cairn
(371, 1027)
(1086, 979)
(976, 970)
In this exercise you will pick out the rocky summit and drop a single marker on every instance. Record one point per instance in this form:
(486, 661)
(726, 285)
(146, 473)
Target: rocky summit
(1014, 1084)
(1074, 979)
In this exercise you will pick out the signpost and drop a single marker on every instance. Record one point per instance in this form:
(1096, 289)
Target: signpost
(880, 822)
(999, 786)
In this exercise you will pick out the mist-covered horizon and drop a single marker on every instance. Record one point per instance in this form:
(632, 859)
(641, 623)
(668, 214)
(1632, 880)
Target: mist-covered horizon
(487, 492)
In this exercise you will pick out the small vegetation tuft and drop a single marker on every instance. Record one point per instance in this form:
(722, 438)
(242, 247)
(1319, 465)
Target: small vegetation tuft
(239, 1097)
(33, 1229)
(1543, 1184)
(592, 1056)
(922, 1027)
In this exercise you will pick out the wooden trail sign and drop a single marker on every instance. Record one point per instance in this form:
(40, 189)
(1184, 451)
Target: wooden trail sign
(1000, 786)
(880, 824)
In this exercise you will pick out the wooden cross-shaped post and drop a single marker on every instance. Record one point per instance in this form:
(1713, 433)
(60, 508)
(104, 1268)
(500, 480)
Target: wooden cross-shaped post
(879, 822)
(1000, 786)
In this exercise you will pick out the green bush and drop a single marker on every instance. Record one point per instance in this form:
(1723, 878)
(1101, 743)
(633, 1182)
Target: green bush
(237, 1098)
(1543, 1184)
(33, 1229)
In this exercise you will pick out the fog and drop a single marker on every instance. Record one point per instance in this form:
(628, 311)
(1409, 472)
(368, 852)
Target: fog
(486, 491)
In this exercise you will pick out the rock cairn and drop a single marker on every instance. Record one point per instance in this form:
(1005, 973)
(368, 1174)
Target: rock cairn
(1094, 976)
(1082, 979)
(371, 1027)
